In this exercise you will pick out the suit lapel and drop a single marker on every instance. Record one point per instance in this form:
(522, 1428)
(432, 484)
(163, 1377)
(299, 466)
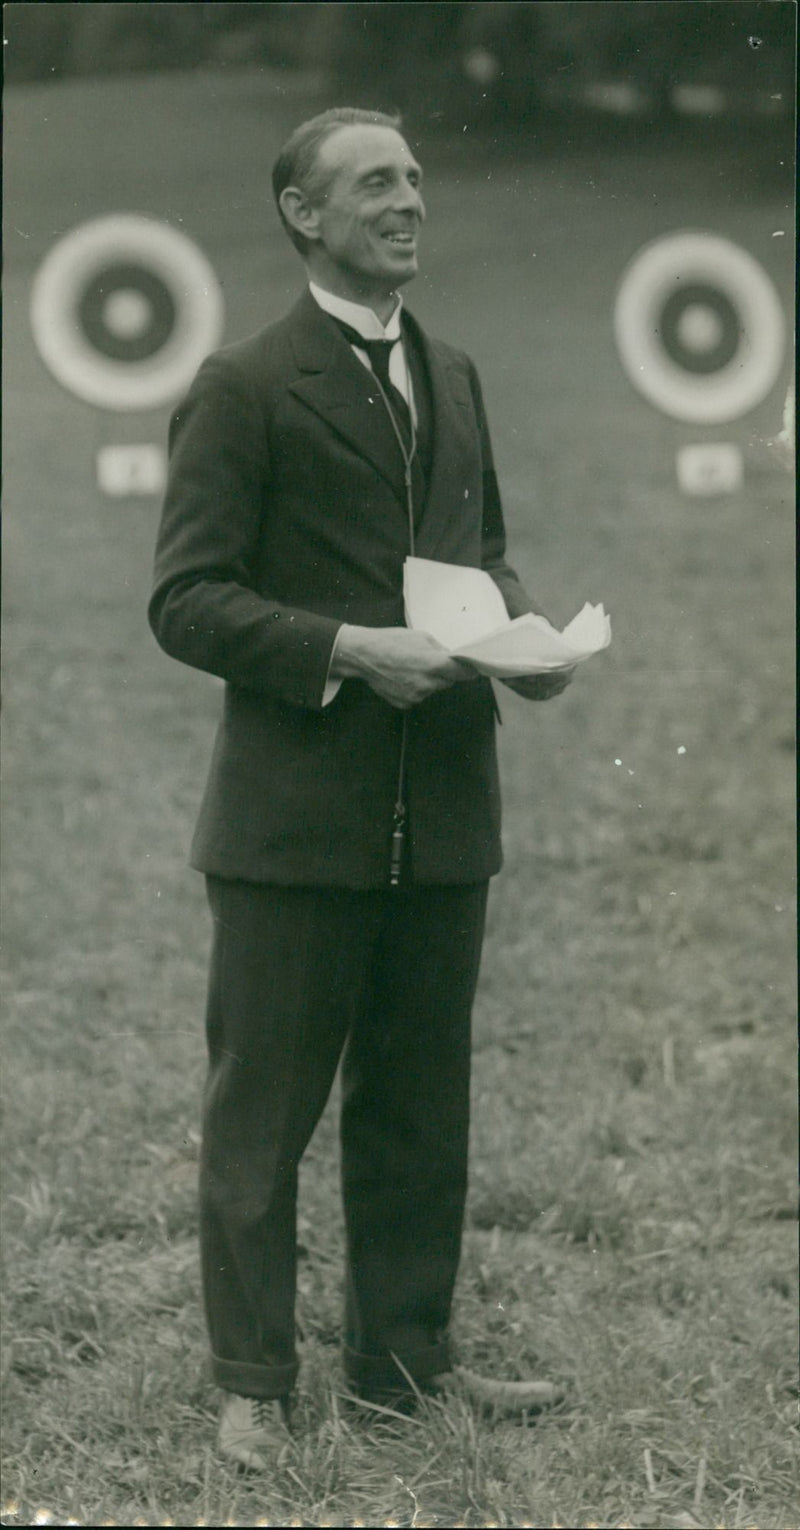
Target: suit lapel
(338, 387)
(454, 434)
(335, 384)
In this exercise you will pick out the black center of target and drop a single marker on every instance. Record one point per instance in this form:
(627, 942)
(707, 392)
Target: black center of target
(159, 306)
(716, 356)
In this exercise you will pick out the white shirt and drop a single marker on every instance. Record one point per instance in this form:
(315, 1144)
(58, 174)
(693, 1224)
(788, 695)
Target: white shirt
(363, 319)
(369, 325)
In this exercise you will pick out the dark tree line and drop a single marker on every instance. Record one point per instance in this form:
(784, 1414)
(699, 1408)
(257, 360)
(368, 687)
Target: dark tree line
(507, 61)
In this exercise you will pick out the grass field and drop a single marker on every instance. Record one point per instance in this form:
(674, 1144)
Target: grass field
(632, 1214)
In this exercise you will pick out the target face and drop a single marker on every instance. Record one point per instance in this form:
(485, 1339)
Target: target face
(699, 327)
(123, 311)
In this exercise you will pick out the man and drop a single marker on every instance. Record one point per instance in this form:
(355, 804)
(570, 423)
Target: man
(351, 818)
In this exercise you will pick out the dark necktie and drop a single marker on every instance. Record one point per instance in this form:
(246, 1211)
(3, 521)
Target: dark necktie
(379, 352)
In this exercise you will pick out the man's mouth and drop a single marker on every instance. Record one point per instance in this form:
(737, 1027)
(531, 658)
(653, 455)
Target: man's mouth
(403, 239)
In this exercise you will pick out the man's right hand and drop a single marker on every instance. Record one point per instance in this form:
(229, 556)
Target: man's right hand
(402, 666)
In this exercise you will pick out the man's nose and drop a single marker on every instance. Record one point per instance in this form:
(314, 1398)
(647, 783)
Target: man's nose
(409, 199)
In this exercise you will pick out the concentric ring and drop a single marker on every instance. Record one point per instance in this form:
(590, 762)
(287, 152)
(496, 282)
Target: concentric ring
(123, 310)
(699, 327)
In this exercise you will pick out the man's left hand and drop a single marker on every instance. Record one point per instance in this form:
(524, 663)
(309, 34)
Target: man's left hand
(541, 687)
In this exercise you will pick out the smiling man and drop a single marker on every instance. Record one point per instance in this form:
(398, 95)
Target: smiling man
(351, 819)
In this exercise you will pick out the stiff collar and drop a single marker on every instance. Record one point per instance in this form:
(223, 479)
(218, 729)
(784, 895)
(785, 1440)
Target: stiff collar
(357, 315)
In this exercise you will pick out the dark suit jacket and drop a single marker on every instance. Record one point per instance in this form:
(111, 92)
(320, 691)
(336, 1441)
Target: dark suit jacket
(285, 516)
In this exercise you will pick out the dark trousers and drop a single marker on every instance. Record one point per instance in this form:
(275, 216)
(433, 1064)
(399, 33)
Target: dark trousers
(297, 975)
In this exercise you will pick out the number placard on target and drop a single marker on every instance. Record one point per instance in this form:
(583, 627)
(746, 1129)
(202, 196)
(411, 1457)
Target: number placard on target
(123, 310)
(699, 327)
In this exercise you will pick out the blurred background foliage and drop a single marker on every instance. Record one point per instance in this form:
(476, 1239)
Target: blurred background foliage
(498, 63)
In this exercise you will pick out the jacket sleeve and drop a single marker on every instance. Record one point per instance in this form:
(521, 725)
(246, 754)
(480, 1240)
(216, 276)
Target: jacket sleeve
(493, 559)
(204, 609)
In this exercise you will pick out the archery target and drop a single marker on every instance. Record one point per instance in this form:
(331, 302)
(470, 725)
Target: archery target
(123, 311)
(699, 327)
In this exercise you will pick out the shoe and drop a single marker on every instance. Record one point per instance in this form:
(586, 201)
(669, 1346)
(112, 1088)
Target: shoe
(503, 1398)
(253, 1429)
(511, 1398)
(394, 1402)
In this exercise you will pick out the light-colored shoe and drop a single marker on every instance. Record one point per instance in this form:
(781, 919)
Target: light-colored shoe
(253, 1430)
(498, 1396)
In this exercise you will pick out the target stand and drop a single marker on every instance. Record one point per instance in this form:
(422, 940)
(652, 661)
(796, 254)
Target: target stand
(701, 335)
(123, 310)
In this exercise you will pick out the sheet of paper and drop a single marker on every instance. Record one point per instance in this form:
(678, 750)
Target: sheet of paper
(464, 610)
(455, 605)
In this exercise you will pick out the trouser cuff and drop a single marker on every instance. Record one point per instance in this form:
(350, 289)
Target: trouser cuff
(383, 1371)
(254, 1380)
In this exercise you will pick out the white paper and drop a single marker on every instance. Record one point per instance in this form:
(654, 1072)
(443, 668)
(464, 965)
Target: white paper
(463, 609)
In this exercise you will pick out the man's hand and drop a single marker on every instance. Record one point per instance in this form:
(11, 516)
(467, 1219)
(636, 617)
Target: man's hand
(402, 666)
(542, 687)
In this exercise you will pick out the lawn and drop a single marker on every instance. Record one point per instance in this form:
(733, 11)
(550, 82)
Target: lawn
(632, 1215)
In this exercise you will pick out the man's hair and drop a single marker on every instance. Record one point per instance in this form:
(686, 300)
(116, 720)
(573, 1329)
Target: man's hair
(297, 164)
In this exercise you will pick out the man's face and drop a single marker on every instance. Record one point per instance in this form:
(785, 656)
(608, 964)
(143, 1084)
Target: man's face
(369, 208)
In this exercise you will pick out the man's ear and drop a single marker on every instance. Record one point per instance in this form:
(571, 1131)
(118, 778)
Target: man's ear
(299, 213)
